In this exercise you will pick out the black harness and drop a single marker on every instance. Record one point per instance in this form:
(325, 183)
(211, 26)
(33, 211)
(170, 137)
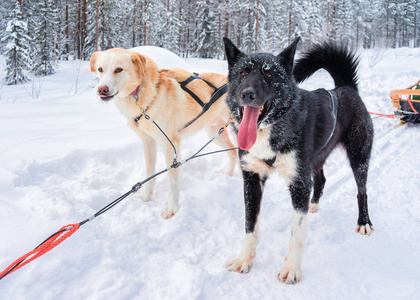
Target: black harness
(218, 92)
(184, 83)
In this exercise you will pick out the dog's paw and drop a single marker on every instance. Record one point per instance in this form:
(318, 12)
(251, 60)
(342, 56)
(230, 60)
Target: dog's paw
(228, 173)
(313, 207)
(365, 229)
(146, 191)
(289, 275)
(240, 265)
(169, 211)
(144, 195)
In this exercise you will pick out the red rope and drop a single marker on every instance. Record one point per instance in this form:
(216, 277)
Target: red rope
(52, 242)
(392, 116)
(412, 106)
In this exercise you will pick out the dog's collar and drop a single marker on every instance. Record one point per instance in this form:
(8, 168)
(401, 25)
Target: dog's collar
(135, 92)
(142, 110)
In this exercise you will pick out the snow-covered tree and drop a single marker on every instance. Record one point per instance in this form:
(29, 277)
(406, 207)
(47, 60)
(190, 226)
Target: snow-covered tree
(169, 31)
(17, 48)
(196, 27)
(206, 29)
(45, 56)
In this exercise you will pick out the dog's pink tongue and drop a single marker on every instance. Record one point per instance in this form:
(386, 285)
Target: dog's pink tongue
(247, 134)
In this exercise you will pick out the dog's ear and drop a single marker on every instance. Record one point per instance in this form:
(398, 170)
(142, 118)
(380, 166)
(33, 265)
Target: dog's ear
(140, 61)
(233, 54)
(288, 54)
(93, 60)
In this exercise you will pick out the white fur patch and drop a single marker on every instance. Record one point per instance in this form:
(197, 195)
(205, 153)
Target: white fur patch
(172, 207)
(291, 272)
(286, 166)
(365, 230)
(262, 149)
(243, 263)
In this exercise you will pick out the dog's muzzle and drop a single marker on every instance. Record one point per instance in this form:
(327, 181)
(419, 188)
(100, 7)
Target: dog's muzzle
(103, 92)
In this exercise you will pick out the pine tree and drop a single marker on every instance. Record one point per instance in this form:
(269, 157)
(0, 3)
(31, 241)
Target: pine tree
(92, 36)
(168, 28)
(46, 53)
(109, 22)
(17, 48)
(206, 30)
(5, 8)
(314, 21)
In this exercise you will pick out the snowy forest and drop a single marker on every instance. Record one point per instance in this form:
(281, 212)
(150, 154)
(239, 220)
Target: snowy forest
(36, 34)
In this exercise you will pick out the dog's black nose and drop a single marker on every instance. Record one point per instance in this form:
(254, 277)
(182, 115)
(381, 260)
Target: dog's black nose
(248, 95)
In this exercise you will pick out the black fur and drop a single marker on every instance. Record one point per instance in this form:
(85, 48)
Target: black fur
(301, 120)
(337, 60)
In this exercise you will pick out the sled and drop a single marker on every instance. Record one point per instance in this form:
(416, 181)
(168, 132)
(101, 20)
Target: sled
(406, 103)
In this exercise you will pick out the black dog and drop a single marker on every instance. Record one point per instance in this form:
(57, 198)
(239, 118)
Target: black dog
(283, 128)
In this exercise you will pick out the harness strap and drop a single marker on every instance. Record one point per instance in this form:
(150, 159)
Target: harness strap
(218, 92)
(194, 96)
(195, 76)
(184, 83)
(214, 97)
(334, 110)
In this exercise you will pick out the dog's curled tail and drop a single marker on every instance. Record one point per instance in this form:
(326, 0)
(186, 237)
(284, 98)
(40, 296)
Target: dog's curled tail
(338, 60)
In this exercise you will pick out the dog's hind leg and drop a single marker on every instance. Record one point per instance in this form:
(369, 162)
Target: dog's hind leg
(172, 206)
(224, 142)
(360, 165)
(359, 145)
(253, 189)
(319, 183)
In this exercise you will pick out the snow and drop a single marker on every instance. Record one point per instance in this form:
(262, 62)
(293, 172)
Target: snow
(163, 58)
(64, 156)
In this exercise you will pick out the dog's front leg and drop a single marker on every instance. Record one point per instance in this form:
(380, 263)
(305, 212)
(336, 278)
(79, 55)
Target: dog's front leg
(149, 150)
(172, 206)
(253, 189)
(300, 192)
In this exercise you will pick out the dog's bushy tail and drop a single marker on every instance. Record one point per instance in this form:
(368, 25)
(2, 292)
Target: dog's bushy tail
(338, 60)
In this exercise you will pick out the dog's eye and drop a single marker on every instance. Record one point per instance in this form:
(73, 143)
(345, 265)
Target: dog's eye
(118, 70)
(268, 75)
(100, 70)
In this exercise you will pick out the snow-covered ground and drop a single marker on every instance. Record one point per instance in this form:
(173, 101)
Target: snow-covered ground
(65, 155)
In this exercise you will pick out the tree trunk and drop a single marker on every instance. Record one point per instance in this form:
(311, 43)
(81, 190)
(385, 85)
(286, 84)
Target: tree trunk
(227, 19)
(97, 25)
(79, 30)
(256, 26)
(219, 29)
(103, 28)
(84, 22)
(415, 26)
(66, 30)
(180, 25)
(290, 21)
(145, 24)
(134, 24)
